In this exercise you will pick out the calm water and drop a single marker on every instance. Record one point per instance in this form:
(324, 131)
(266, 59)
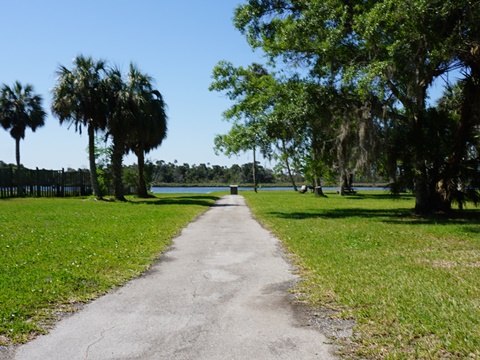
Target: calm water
(207, 190)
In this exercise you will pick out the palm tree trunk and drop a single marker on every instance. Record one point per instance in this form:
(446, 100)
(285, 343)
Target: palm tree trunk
(19, 175)
(93, 165)
(117, 159)
(142, 185)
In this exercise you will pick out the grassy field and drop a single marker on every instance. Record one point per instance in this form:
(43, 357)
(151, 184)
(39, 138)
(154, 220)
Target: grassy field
(411, 284)
(57, 253)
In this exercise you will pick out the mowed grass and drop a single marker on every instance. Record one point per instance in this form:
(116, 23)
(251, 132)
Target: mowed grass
(411, 284)
(57, 253)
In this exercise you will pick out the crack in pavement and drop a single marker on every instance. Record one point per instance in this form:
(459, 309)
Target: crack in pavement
(102, 336)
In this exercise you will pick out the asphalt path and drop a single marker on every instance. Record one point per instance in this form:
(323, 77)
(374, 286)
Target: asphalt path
(220, 292)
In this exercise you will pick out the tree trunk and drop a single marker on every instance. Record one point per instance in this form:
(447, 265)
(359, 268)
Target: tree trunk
(93, 166)
(341, 190)
(142, 185)
(423, 199)
(316, 168)
(288, 167)
(391, 159)
(117, 160)
(318, 191)
(424, 202)
(19, 170)
(254, 169)
(290, 175)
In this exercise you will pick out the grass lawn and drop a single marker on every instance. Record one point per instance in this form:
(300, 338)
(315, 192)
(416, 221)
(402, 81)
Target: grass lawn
(56, 253)
(411, 284)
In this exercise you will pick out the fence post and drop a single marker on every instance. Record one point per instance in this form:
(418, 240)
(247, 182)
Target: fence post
(80, 176)
(43, 183)
(62, 192)
(11, 180)
(2, 183)
(30, 182)
(37, 182)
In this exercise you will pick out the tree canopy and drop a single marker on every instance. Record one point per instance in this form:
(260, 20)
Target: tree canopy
(128, 108)
(20, 109)
(79, 99)
(368, 67)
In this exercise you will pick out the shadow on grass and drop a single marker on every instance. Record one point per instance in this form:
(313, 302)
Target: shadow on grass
(201, 200)
(385, 196)
(392, 216)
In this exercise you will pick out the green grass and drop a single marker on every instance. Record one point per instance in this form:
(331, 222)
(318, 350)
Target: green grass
(411, 284)
(56, 253)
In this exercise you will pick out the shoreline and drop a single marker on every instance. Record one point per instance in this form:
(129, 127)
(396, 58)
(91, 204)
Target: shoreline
(270, 185)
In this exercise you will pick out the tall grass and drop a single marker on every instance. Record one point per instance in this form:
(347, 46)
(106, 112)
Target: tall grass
(411, 284)
(55, 253)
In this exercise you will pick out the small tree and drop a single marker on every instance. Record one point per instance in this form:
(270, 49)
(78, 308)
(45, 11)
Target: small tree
(79, 99)
(240, 138)
(149, 129)
(20, 109)
(249, 89)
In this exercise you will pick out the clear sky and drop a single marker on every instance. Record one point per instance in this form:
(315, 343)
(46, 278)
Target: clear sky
(176, 42)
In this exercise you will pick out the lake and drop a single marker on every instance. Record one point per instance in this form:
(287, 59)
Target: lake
(207, 190)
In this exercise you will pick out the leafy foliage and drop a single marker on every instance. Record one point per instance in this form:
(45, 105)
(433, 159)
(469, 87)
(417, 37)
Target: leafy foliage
(137, 121)
(173, 173)
(376, 60)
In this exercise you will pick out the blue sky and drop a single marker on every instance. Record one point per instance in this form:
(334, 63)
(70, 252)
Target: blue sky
(176, 42)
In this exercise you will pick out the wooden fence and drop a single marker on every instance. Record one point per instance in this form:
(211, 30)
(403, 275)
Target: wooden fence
(43, 183)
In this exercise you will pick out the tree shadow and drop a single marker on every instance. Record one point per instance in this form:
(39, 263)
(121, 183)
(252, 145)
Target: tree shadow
(223, 205)
(340, 214)
(391, 216)
(386, 196)
(201, 200)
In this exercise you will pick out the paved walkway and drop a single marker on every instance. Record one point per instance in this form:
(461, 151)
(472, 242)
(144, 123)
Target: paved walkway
(219, 293)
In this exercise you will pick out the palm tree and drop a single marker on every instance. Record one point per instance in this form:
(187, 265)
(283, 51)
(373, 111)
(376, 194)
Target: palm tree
(150, 128)
(120, 119)
(136, 121)
(79, 99)
(20, 109)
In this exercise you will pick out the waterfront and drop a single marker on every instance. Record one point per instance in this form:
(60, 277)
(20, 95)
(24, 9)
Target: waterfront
(208, 190)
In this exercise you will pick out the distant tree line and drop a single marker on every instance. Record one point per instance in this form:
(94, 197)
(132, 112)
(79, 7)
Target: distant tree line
(166, 173)
(161, 173)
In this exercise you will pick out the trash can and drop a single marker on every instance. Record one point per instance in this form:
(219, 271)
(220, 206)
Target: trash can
(233, 189)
